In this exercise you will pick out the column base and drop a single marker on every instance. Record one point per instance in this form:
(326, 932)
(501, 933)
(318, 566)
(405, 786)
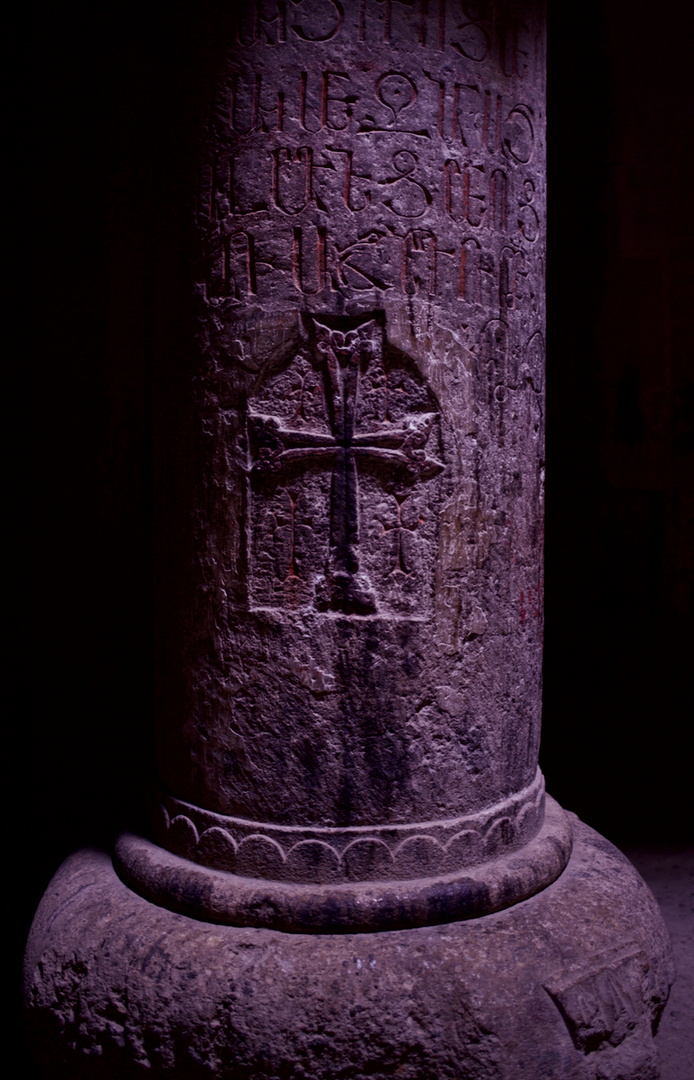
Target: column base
(358, 906)
(566, 985)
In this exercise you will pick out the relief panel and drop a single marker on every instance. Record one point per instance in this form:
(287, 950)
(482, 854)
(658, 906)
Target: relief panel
(603, 1005)
(345, 453)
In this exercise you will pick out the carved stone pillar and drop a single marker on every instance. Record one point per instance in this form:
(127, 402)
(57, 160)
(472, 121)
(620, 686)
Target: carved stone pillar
(352, 741)
(362, 646)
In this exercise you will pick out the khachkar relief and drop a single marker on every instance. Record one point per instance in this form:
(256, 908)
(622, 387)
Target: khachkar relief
(344, 446)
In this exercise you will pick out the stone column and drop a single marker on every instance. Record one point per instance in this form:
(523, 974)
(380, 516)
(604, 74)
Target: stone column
(352, 741)
(362, 643)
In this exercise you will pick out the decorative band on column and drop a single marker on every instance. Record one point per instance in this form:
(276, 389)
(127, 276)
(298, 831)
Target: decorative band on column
(348, 906)
(362, 853)
(356, 879)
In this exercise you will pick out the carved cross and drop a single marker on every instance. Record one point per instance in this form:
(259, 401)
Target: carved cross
(401, 449)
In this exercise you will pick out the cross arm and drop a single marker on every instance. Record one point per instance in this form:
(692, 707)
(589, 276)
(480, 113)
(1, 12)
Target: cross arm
(276, 446)
(414, 432)
(416, 462)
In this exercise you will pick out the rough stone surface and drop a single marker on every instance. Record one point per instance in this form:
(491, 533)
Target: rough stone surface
(360, 643)
(565, 986)
(669, 873)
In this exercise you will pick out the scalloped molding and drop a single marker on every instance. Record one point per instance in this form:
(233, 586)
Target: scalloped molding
(361, 853)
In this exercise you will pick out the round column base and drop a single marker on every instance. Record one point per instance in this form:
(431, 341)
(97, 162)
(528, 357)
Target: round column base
(219, 896)
(567, 985)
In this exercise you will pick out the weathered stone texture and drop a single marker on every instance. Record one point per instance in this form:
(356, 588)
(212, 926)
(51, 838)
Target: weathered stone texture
(566, 986)
(364, 643)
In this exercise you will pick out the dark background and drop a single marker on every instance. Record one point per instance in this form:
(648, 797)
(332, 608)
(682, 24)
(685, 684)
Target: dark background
(100, 113)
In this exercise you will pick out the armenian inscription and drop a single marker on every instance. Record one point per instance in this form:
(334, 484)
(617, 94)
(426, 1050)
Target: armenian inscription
(401, 174)
(344, 446)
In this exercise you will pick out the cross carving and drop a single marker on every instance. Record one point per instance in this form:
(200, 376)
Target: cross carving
(342, 357)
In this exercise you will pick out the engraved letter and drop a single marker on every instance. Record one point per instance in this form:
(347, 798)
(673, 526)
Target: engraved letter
(298, 261)
(321, 19)
(292, 189)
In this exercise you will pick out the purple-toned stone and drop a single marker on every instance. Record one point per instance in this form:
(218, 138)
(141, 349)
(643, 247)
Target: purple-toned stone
(351, 691)
(360, 646)
(567, 986)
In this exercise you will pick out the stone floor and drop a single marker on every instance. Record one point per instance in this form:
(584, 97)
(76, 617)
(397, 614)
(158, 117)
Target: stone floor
(670, 875)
